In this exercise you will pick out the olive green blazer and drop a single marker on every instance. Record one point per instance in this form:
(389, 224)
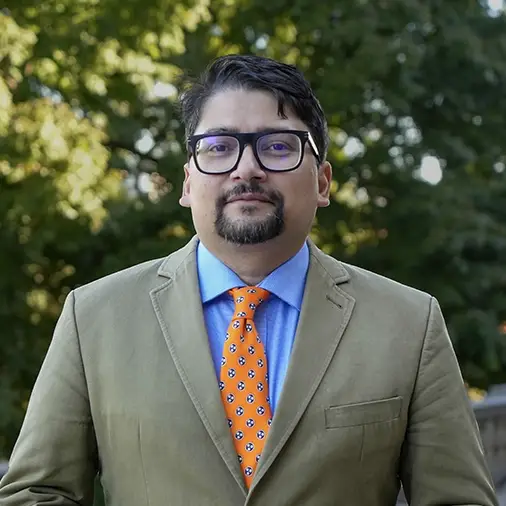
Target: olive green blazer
(373, 397)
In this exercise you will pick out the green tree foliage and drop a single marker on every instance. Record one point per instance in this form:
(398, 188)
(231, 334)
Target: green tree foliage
(91, 150)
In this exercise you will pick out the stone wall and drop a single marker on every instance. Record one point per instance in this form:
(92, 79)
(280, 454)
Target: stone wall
(491, 417)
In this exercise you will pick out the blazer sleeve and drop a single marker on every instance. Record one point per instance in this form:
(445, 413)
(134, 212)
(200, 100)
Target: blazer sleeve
(54, 460)
(443, 461)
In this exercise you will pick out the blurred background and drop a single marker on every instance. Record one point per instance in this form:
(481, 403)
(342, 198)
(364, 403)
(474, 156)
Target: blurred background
(92, 150)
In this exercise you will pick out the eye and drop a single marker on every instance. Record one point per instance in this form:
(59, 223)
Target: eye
(216, 145)
(219, 148)
(277, 149)
(277, 146)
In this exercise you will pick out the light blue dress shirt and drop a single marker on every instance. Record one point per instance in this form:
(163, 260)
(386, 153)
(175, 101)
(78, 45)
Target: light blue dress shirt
(276, 319)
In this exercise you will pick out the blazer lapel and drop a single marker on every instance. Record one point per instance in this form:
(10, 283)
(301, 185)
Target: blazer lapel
(325, 313)
(178, 307)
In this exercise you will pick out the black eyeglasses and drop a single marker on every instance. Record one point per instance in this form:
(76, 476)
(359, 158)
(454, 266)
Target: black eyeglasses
(276, 150)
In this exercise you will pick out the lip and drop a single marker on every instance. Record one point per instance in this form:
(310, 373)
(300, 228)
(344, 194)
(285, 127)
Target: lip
(250, 197)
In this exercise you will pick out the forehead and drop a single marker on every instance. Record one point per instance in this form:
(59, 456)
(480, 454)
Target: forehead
(245, 111)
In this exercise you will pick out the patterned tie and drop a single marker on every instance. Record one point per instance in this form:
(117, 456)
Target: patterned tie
(244, 380)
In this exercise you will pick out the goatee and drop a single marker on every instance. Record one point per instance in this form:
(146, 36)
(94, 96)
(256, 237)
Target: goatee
(243, 231)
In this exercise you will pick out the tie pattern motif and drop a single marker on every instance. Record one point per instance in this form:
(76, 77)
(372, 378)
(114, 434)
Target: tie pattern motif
(244, 380)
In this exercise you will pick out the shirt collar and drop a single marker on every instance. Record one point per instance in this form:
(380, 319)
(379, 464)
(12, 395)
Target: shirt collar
(215, 278)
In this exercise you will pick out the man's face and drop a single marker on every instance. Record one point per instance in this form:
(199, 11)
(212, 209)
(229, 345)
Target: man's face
(250, 205)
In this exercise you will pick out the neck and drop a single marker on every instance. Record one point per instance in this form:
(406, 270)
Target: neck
(254, 262)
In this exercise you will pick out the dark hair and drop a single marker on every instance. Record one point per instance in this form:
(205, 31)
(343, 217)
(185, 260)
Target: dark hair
(285, 82)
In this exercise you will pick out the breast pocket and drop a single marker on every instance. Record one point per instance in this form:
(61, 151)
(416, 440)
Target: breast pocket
(376, 426)
(363, 413)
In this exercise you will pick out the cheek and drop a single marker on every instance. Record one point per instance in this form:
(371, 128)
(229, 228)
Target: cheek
(204, 195)
(202, 187)
(300, 193)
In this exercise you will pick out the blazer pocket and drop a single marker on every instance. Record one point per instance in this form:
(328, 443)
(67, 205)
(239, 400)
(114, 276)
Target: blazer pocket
(363, 413)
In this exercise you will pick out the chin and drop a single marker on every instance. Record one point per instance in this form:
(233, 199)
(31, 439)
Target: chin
(251, 212)
(247, 221)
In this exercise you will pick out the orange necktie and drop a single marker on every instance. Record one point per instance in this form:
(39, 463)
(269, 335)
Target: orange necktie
(244, 380)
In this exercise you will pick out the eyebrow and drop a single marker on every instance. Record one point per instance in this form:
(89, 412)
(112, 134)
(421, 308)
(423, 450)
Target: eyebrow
(232, 130)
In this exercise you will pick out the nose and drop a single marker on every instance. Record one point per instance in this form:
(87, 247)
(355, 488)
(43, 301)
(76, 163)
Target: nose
(248, 168)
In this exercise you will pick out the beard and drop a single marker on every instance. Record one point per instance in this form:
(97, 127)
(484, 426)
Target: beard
(255, 231)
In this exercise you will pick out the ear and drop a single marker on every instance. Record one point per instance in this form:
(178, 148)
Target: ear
(185, 199)
(324, 182)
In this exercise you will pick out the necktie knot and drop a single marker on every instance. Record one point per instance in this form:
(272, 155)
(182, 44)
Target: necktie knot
(247, 299)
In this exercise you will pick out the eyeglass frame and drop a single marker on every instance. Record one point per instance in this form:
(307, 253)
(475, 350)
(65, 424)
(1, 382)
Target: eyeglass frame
(251, 139)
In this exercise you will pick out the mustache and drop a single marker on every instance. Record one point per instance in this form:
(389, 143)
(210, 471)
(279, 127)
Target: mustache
(254, 187)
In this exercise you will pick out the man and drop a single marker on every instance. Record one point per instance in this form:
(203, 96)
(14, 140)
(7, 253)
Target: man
(249, 367)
